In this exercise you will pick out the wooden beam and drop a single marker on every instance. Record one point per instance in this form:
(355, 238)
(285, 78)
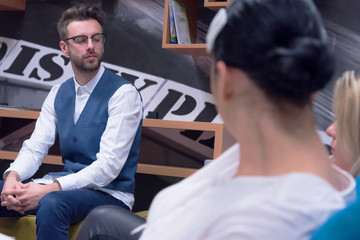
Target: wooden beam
(142, 167)
(19, 114)
(164, 170)
(49, 159)
(12, 5)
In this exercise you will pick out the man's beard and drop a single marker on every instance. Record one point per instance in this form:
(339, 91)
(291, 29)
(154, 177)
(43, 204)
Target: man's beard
(89, 66)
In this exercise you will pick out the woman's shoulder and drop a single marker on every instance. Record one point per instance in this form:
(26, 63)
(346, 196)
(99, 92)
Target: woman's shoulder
(292, 207)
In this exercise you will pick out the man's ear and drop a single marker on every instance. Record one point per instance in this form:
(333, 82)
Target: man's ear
(64, 48)
(224, 81)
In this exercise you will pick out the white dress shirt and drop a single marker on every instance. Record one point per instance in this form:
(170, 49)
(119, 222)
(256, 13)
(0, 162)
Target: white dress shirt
(125, 113)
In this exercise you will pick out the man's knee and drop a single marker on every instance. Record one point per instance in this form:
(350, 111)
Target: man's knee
(50, 206)
(49, 200)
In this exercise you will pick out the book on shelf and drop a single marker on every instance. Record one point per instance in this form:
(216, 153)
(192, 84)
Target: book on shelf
(173, 37)
(181, 22)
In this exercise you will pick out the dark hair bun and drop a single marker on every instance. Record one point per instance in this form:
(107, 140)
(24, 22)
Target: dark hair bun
(303, 67)
(280, 44)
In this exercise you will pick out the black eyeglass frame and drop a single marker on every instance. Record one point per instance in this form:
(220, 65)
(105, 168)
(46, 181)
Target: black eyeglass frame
(87, 37)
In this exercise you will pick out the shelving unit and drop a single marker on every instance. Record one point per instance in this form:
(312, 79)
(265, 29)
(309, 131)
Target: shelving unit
(145, 168)
(193, 49)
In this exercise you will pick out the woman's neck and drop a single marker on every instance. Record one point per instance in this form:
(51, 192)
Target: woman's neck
(272, 145)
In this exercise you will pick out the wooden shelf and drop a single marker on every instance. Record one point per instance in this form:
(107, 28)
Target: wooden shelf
(194, 49)
(12, 5)
(144, 168)
(216, 4)
(25, 114)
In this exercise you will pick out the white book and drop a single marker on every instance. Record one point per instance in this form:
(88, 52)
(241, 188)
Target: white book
(173, 37)
(181, 23)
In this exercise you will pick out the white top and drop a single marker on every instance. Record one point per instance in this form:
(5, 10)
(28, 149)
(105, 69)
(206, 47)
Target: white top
(125, 112)
(212, 204)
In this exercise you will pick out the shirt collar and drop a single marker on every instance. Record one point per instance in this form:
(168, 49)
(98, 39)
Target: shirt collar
(90, 86)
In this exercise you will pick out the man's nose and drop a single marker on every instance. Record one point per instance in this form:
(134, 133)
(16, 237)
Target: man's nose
(90, 44)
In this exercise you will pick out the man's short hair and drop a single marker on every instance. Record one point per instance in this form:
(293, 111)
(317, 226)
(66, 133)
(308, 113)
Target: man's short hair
(79, 12)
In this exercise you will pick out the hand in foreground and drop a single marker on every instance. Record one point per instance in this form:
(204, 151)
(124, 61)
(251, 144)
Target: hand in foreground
(23, 197)
(30, 194)
(8, 196)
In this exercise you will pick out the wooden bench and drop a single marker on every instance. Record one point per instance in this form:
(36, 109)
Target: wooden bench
(24, 228)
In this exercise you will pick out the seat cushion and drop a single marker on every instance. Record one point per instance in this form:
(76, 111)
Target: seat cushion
(24, 228)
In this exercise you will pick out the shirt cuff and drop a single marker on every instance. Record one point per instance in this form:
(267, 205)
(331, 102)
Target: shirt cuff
(15, 170)
(5, 174)
(67, 182)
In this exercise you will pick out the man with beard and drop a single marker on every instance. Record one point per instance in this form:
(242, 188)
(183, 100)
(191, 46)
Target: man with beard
(97, 116)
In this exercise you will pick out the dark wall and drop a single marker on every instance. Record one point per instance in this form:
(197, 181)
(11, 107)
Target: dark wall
(342, 12)
(343, 27)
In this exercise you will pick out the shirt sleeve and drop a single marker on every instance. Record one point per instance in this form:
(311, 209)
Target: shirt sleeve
(125, 114)
(43, 137)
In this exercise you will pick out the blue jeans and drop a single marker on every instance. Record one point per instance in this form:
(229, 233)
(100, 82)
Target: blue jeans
(58, 210)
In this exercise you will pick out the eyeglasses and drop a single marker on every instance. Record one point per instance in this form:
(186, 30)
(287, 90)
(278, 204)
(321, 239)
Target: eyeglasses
(97, 38)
